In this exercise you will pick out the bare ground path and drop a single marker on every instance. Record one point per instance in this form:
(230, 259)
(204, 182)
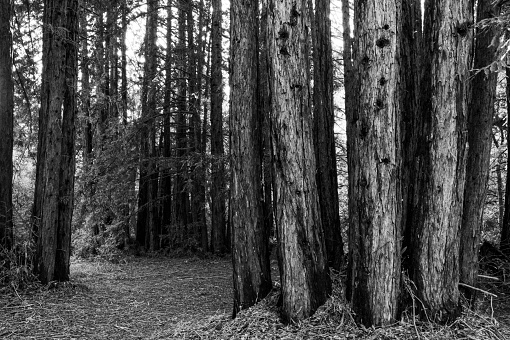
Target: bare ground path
(130, 300)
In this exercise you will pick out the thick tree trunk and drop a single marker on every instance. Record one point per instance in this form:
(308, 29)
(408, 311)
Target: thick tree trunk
(324, 134)
(304, 269)
(480, 118)
(56, 146)
(218, 235)
(6, 126)
(441, 160)
(250, 246)
(376, 223)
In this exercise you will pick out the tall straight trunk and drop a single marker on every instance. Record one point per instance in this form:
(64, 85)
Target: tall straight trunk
(303, 265)
(250, 237)
(181, 192)
(441, 160)
(147, 224)
(123, 63)
(166, 177)
(376, 222)
(505, 227)
(480, 119)
(218, 242)
(410, 41)
(55, 172)
(264, 106)
(67, 160)
(324, 133)
(6, 126)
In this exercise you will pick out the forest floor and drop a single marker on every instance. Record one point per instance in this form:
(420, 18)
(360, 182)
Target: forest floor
(191, 298)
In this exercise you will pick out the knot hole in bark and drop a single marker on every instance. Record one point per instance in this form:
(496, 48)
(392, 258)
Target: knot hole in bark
(379, 104)
(382, 42)
(284, 51)
(386, 27)
(283, 33)
(382, 81)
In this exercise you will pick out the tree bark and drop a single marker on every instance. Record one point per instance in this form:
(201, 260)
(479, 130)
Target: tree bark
(377, 203)
(303, 265)
(441, 158)
(218, 235)
(250, 246)
(480, 119)
(6, 126)
(55, 172)
(324, 134)
(505, 228)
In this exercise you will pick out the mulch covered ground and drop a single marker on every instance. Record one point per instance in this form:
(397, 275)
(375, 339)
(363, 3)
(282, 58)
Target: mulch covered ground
(130, 300)
(191, 298)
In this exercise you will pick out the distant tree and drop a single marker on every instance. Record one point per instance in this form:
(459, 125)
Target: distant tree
(6, 126)
(250, 236)
(218, 234)
(147, 233)
(324, 133)
(303, 265)
(440, 160)
(54, 193)
(375, 224)
(479, 124)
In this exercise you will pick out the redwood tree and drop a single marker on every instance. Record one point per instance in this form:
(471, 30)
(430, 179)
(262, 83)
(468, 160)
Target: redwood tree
(441, 157)
(324, 133)
(480, 118)
(6, 125)
(303, 266)
(375, 230)
(250, 245)
(55, 160)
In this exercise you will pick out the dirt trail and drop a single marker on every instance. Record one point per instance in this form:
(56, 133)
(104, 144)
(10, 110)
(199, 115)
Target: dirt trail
(120, 301)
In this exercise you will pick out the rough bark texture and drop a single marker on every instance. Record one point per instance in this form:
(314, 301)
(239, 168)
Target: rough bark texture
(303, 266)
(410, 40)
(324, 134)
(6, 125)
(441, 157)
(505, 227)
(217, 150)
(250, 238)
(53, 201)
(480, 118)
(377, 204)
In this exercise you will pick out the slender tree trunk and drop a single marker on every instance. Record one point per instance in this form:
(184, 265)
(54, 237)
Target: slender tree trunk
(480, 119)
(6, 126)
(304, 269)
(56, 146)
(324, 134)
(166, 179)
(218, 242)
(441, 161)
(123, 62)
(505, 228)
(250, 246)
(181, 192)
(376, 225)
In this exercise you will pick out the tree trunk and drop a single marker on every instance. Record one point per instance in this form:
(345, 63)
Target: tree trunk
(56, 146)
(324, 134)
(250, 246)
(480, 118)
(376, 223)
(218, 242)
(505, 228)
(304, 269)
(147, 225)
(6, 126)
(441, 159)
